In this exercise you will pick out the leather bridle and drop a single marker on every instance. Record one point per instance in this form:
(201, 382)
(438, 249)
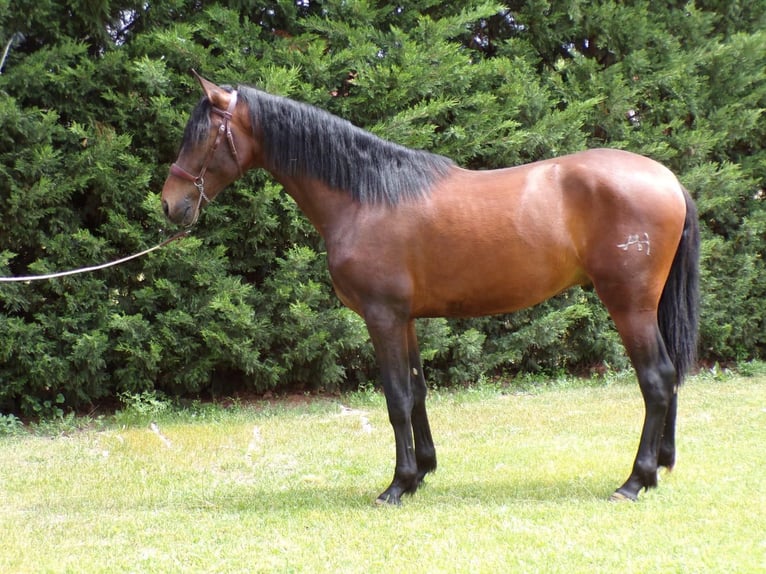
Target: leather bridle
(223, 129)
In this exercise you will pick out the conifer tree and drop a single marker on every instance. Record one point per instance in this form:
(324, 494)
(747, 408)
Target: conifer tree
(94, 98)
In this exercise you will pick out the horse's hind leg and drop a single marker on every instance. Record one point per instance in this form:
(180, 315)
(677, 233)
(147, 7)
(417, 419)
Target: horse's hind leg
(425, 453)
(657, 380)
(667, 457)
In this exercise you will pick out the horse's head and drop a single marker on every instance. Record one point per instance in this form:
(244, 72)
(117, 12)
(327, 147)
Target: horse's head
(209, 159)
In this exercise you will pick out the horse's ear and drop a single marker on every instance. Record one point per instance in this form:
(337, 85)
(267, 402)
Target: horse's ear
(215, 95)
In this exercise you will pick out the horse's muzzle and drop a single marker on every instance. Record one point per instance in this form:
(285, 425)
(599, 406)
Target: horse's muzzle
(181, 213)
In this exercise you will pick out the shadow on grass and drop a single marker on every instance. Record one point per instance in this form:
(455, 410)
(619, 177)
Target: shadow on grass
(529, 489)
(281, 498)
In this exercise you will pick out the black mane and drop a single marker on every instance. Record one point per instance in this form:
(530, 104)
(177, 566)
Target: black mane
(303, 140)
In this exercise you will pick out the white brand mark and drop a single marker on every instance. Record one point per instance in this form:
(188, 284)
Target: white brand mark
(638, 241)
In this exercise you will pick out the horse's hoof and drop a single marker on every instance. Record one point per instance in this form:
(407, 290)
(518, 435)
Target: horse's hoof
(388, 500)
(618, 496)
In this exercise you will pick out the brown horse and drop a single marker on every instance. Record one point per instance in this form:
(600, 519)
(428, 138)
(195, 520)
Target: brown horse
(409, 234)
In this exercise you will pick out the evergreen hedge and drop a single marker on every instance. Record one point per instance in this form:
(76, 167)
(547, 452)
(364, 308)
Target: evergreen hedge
(94, 97)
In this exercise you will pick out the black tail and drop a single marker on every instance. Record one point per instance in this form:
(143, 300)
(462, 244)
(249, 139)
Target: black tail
(678, 313)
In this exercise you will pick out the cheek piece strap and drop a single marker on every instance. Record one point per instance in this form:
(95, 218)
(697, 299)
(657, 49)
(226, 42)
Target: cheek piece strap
(223, 129)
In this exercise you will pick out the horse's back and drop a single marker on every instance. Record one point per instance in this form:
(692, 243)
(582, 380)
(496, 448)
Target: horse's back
(487, 242)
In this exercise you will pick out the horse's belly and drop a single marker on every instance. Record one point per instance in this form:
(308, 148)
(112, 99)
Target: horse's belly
(476, 291)
(473, 306)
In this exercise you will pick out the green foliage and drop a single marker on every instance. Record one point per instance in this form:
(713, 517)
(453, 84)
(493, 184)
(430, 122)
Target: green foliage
(141, 408)
(93, 107)
(10, 425)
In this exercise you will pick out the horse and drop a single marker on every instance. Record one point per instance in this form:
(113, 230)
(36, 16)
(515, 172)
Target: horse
(410, 234)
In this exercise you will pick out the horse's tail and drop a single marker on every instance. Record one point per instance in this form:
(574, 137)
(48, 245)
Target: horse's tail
(678, 313)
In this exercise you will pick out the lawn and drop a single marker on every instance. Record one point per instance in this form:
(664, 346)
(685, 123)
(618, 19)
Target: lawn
(288, 486)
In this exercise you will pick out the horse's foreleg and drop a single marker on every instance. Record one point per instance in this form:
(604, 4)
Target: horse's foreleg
(389, 337)
(657, 380)
(425, 453)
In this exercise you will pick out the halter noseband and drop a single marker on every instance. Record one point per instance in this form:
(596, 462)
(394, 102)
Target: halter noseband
(224, 128)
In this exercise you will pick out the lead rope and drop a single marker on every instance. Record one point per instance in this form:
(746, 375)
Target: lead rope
(178, 235)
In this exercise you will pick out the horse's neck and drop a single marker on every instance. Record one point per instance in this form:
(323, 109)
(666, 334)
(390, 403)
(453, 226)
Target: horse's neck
(325, 207)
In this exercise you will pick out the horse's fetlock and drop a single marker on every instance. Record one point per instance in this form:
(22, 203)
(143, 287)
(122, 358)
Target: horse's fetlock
(647, 473)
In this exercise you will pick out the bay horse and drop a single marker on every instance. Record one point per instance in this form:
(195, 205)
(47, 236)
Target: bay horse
(410, 234)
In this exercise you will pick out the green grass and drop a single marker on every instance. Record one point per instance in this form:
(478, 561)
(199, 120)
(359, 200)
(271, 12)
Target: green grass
(522, 487)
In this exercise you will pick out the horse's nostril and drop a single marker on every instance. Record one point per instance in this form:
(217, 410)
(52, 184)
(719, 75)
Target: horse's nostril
(165, 208)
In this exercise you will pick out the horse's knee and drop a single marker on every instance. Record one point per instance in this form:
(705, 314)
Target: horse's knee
(399, 408)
